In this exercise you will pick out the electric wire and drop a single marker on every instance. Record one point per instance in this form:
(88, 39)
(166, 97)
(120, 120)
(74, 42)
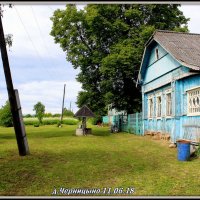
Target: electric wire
(40, 58)
(42, 36)
(37, 24)
(40, 31)
(27, 33)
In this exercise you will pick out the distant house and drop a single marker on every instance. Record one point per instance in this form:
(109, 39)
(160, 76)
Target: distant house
(170, 79)
(112, 112)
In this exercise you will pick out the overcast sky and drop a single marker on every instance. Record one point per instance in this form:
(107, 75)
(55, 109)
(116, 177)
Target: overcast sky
(38, 65)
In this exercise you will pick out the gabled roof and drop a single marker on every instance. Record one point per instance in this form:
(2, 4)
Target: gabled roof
(84, 111)
(184, 47)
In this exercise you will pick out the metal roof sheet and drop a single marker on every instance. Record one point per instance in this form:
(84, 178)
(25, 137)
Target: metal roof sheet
(184, 47)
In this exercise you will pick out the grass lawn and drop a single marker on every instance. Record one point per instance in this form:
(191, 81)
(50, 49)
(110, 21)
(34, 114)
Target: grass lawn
(59, 159)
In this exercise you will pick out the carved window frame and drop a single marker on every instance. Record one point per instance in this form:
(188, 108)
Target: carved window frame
(159, 105)
(150, 106)
(193, 101)
(168, 103)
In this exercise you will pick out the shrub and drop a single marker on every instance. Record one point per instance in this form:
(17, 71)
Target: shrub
(197, 152)
(36, 125)
(95, 120)
(67, 112)
(105, 124)
(70, 121)
(51, 121)
(59, 124)
(56, 115)
(28, 116)
(48, 115)
(6, 115)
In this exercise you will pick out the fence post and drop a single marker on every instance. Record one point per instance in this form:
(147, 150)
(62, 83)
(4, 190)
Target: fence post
(137, 123)
(128, 125)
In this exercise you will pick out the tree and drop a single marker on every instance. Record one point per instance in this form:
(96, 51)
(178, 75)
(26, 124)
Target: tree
(8, 37)
(6, 115)
(106, 42)
(67, 112)
(48, 115)
(39, 109)
(27, 116)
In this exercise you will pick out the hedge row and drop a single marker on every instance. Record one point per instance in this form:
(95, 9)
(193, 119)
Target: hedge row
(51, 121)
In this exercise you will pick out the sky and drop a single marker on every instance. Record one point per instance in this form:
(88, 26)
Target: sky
(38, 66)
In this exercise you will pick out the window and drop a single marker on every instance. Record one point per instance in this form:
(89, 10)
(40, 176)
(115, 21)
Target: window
(168, 104)
(193, 103)
(158, 106)
(150, 107)
(157, 54)
(124, 119)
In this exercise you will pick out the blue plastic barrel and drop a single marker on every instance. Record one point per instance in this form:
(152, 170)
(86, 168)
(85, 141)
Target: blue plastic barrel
(183, 150)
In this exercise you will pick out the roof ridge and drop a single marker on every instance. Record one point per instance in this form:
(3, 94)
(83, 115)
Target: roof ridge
(167, 31)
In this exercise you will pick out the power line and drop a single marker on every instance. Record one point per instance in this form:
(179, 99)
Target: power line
(45, 70)
(28, 33)
(41, 35)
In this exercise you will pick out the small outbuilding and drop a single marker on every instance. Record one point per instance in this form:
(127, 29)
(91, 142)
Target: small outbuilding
(170, 80)
(84, 112)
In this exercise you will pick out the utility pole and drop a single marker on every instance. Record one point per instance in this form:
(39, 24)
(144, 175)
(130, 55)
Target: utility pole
(13, 99)
(70, 106)
(63, 104)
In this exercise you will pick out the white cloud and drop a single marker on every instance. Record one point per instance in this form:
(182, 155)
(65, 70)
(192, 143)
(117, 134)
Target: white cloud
(192, 12)
(31, 26)
(43, 81)
(50, 93)
(38, 65)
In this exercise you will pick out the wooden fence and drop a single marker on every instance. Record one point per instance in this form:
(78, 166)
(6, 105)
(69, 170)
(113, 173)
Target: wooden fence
(131, 123)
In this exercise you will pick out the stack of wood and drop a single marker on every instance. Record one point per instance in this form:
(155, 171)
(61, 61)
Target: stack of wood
(157, 135)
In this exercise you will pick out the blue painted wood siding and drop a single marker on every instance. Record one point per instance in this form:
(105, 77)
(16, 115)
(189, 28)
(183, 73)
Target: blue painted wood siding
(161, 75)
(163, 65)
(176, 125)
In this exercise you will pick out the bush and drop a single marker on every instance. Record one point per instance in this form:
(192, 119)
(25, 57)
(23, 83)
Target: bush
(56, 115)
(67, 113)
(50, 121)
(36, 125)
(28, 116)
(95, 120)
(59, 124)
(105, 124)
(48, 115)
(6, 115)
(197, 152)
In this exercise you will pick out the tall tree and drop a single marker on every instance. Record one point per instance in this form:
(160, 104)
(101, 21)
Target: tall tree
(6, 115)
(39, 109)
(106, 42)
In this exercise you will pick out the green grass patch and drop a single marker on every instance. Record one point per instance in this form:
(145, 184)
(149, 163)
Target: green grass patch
(59, 159)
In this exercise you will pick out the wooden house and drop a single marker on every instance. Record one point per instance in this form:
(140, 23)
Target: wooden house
(170, 80)
(111, 116)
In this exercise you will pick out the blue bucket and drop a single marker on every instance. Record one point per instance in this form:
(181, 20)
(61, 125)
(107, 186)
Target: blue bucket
(183, 150)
